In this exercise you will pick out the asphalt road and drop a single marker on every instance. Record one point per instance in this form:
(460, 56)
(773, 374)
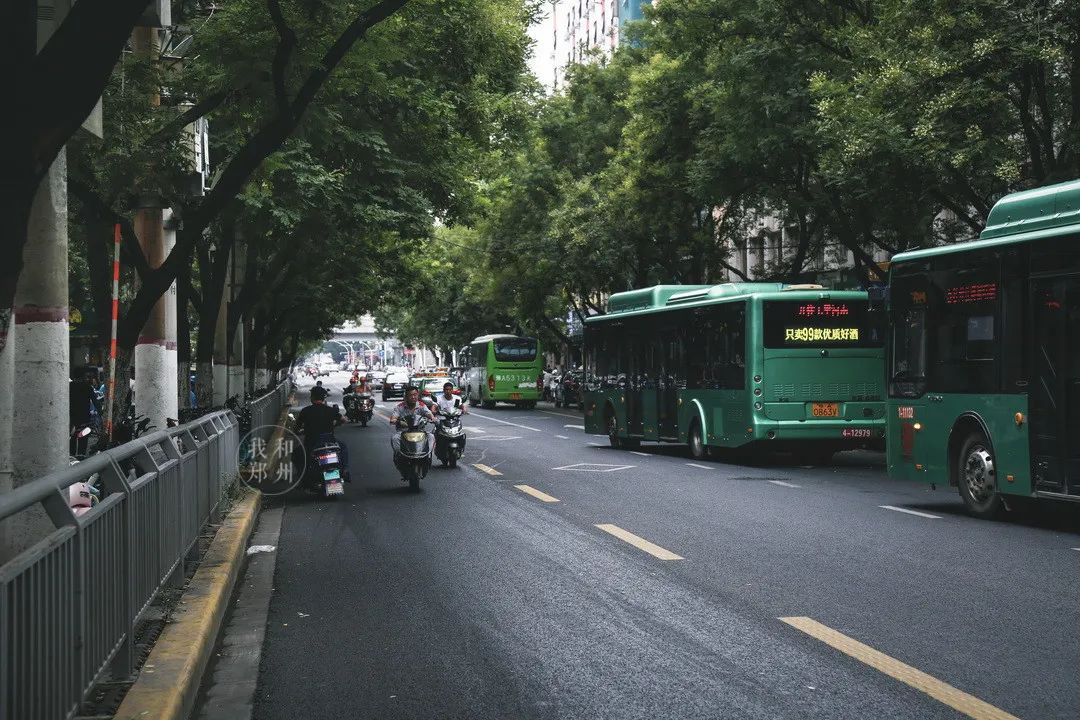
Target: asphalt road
(476, 599)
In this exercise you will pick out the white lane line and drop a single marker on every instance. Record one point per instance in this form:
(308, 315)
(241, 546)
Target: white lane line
(539, 495)
(505, 422)
(781, 483)
(562, 437)
(576, 427)
(473, 428)
(595, 445)
(551, 412)
(1076, 548)
(635, 452)
(909, 512)
(703, 467)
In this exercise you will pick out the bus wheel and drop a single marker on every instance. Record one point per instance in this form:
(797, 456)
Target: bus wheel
(697, 442)
(977, 477)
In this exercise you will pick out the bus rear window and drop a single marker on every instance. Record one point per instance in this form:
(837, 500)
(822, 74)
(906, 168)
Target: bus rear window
(820, 324)
(515, 350)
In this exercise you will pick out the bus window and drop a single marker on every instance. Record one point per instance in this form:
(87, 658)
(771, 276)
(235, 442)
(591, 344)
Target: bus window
(515, 349)
(962, 324)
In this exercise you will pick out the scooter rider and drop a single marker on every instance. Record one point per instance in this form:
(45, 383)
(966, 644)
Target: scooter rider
(409, 407)
(317, 422)
(448, 400)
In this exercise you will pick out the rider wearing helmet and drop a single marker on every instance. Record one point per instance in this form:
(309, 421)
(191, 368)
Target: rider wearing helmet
(317, 422)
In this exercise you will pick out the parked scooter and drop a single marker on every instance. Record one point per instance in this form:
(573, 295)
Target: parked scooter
(412, 456)
(449, 437)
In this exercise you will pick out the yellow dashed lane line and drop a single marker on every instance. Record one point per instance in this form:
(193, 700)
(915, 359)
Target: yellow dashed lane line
(639, 542)
(539, 495)
(957, 699)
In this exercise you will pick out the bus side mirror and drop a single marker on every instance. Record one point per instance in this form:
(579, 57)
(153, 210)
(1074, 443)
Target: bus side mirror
(878, 296)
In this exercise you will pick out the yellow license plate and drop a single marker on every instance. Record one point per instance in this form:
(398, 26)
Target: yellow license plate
(825, 409)
(515, 396)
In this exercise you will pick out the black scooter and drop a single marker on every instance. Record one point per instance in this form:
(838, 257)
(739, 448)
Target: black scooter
(413, 454)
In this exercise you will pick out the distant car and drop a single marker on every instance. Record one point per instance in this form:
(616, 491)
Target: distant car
(434, 386)
(326, 368)
(394, 385)
(377, 376)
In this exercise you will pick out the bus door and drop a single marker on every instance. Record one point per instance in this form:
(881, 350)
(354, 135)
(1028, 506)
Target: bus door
(634, 387)
(667, 399)
(1055, 388)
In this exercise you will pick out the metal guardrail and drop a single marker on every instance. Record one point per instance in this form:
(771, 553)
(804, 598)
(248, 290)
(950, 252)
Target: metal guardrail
(70, 603)
(266, 410)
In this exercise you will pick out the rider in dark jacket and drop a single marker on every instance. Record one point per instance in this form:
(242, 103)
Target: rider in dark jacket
(317, 422)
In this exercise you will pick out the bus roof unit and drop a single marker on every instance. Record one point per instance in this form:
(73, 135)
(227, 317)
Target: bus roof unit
(489, 338)
(659, 297)
(1036, 214)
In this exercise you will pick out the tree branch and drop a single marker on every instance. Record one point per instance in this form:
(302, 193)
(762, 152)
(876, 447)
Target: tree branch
(286, 45)
(130, 247)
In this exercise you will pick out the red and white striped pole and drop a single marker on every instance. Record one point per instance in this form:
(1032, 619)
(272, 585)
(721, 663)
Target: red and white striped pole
(112, 343)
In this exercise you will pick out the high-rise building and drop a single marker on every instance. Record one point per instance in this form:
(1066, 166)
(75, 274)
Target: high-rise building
(631, 10)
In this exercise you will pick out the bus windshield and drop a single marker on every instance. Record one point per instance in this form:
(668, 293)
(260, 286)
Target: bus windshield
(515, 349)
(820, 324)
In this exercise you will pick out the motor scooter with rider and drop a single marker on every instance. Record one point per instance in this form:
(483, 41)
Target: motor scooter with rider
(411, 441)
(449, 433)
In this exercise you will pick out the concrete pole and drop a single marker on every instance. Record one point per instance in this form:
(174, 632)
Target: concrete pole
(221, 346)
(155, 380)
(236, 371)
(7, 407)
(172, 409)
(41, 361)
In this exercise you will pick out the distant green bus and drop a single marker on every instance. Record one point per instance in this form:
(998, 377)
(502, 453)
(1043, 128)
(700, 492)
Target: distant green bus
(503, 368)
(984, 356)
(741, 365)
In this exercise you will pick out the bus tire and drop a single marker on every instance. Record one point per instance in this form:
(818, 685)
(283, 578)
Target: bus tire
(976, 476)
(696, 440)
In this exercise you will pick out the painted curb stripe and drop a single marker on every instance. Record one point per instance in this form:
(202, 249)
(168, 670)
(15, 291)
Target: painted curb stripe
(169, 682)
(39, 314)
(639, 542)
(542, 496)
(944, 693)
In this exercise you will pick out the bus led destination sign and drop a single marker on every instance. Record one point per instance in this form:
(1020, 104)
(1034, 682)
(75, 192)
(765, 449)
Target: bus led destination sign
(820, 334)
(824, 310)
(791, 323)
(971, 293)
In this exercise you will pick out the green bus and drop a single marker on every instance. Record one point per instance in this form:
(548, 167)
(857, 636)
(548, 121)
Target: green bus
(984, 356)
(502, 368)
(768, 366)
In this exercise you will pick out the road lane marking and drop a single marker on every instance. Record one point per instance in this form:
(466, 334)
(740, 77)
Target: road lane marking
(563, 415)
(596, 445)
(944, 693)
(484, 468)
(781, 483)
(594, 467)
(635, 452)
(909, 512)
(703, 467)
(562, 437)
(1076, 548)
(542, 496)
(504, 422)
(498, 437)
(639, 542)
(576, 427)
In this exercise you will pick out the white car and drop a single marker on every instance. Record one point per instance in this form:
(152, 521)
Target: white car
(394, 383)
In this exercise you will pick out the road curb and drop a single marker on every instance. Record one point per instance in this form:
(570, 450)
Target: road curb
(169, 682)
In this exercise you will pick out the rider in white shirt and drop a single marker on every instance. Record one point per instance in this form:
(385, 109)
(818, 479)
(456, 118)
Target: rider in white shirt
(448, 400)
